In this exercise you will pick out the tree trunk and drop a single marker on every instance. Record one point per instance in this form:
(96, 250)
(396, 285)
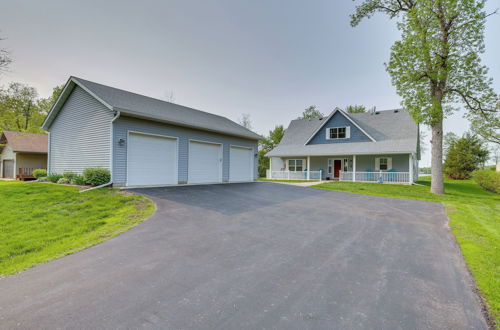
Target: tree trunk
(437, 183)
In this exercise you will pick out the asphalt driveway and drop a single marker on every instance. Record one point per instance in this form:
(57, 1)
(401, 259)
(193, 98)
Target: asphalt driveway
(257, 256)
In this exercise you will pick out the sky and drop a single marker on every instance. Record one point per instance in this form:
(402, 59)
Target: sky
(267, 58)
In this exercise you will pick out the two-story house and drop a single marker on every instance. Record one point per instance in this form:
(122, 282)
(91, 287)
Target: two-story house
(377, 146)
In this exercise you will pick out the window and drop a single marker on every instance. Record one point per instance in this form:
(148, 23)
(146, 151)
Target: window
(330, 162)
(337, 133)
(346, 164)
(383, 164)
(295, 165)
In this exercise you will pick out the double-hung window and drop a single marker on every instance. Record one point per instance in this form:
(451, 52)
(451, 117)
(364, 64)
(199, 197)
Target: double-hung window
(337, 133)
(295, 165)
(383, 164)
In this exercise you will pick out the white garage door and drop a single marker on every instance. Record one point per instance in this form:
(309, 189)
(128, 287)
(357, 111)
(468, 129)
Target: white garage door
(151, 160)
(205, 162)
(241, 164)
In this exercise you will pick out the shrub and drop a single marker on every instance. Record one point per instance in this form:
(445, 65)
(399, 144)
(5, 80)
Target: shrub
(43, 179)
(69, 175)
(463, 156)
(78, 180)
(54, 177)
(38, 173)
(63, 180)
(96, 176)
(488, 180)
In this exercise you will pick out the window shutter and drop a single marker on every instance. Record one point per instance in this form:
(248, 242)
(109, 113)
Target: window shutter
(389, 163)
(327, 134)
(377, 164)
(348, 132)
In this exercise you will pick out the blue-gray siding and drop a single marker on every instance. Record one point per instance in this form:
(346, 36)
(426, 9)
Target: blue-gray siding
(80, 136)
(124, 124)
(339, 120)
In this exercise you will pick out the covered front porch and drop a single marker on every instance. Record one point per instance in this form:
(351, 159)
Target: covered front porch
(387, 168)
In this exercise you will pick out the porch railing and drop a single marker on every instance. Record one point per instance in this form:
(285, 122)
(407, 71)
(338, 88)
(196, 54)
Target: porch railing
(293, 175)
(383, 177)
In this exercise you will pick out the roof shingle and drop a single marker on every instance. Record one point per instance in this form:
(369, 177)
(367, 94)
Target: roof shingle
(26, 142)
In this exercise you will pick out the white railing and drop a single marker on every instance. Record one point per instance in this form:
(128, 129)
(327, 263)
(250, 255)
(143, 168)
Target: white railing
(383, 177)
(293, 175)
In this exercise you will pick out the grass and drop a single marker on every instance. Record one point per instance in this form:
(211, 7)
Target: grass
(40, 221)
(474, 219)
(292, 181)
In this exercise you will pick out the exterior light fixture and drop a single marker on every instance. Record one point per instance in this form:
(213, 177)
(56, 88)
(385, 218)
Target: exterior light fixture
(121, 142)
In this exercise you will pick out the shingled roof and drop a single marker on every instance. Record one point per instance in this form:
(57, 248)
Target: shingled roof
(145, 107)
(25, 142)
(394, 131)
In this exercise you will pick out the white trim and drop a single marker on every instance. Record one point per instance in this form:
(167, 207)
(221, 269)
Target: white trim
(221, 158)
(252, 169)
(348, 118)
(354, 168)
(333, 166)
(156, 135)
(328, 133)
(289, 159)
(65, 93)
(410, 168)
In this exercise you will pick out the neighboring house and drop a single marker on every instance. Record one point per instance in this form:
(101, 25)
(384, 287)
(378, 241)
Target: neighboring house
(144, 141)
(21, 153)
(379, 146)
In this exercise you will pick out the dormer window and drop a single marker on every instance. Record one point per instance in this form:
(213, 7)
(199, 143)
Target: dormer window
(334, 133)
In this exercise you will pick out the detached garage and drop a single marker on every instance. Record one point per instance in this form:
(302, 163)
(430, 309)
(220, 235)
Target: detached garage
(144, 141)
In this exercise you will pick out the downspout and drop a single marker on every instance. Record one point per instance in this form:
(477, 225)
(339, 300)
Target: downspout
(112, 148)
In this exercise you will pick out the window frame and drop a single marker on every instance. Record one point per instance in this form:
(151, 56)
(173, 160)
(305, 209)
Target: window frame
(295, 164)
(337, 128)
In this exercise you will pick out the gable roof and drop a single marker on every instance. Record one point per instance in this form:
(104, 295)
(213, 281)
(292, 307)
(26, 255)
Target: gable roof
(145, 107)
(25, 142)
(394, 131)
(324, 121)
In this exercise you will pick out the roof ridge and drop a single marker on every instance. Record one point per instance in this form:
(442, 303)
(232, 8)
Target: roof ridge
(146, 96)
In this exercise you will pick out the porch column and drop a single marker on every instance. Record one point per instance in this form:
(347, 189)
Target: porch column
(270, 168)
(353, 168)
(308, 167)
(410, 167)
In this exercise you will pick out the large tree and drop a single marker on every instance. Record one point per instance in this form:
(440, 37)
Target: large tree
(355, 108)
(21, 109)
(437, 64)
(311, 112)
(271, 141)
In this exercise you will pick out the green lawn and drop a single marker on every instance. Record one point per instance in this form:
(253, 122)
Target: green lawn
(40, 221)
(474, 218)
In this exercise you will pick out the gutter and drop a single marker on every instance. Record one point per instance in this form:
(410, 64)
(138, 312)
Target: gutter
(117, 115)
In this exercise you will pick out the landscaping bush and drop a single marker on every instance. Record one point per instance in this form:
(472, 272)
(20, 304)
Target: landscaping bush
(63, 180)
(78, 180)
(69, 175)
(38, 173)
(43, 179)
(54, 177)
(488, 180)
(96, 176)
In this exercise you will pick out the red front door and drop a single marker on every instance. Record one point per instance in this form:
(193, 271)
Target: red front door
(337, 166)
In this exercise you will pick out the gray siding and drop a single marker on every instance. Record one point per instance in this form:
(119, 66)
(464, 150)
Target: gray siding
(124, 124)
(339, 120)
(80, 136)
(363, 162)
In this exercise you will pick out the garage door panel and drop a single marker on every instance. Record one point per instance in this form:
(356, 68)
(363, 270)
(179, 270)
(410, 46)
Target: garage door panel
(152, 160)
(205, 162)
(241, 164)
